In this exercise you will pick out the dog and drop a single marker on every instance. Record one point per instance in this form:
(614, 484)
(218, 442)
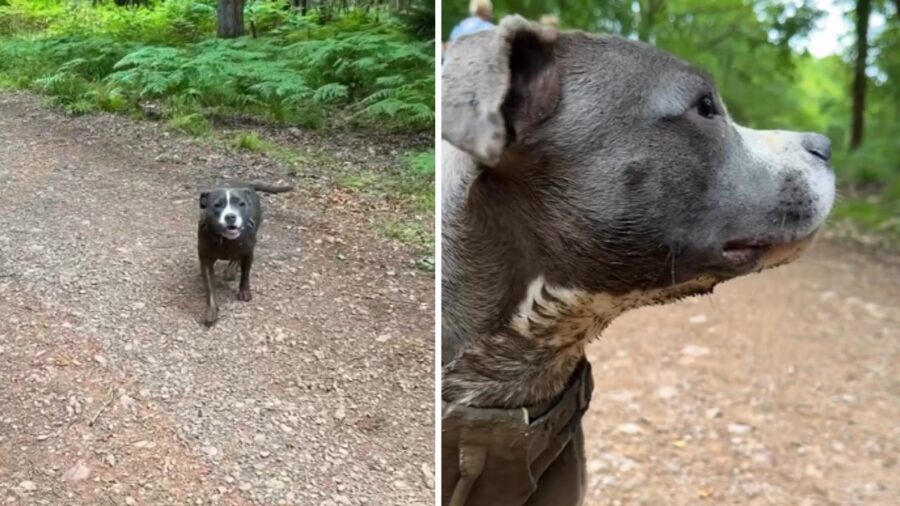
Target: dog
(584, 175)
(230, 218)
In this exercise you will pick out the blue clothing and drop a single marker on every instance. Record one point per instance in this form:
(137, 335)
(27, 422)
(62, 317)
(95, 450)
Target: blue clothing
(469, 26)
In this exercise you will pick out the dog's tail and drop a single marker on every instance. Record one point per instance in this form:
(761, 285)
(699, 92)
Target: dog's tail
(271, 188)
(260, 187)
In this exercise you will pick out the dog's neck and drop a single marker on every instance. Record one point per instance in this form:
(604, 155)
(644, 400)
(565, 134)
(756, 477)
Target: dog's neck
(511, 337)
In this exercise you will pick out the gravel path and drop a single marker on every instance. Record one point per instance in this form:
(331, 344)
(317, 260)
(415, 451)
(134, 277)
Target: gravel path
(781, 388)
(319, 391)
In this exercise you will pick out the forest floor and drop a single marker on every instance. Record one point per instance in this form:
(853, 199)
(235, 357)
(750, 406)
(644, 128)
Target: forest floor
(319, 391)
(780, 388)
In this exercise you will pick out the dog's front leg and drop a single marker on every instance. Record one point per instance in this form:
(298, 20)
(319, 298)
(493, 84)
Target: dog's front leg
(244, 288)
(212, 308)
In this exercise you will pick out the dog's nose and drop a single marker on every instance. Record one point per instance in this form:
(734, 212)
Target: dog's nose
(230, 219)
(818, 145)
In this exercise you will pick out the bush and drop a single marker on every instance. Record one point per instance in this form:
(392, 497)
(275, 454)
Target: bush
(366, 67)
(419, 20)
(169, 21)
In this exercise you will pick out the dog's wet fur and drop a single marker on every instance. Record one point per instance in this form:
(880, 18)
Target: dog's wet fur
(230, 218)
(586, 175)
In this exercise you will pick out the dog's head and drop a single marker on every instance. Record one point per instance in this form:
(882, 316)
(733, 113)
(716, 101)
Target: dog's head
(227, 211)
(624, 162)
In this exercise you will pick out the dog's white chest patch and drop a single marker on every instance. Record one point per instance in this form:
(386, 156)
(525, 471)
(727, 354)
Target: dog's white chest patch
(561, 317)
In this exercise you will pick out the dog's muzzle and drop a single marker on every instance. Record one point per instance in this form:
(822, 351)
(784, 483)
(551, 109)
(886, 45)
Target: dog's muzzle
(231, 233)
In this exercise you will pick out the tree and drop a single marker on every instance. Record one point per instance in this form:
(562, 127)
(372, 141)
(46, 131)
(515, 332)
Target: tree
(649, 12)
(231, 19)
(301, 5)
(863, 9)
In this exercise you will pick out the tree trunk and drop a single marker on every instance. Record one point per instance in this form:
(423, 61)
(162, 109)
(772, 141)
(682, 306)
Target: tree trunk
(231, 18)
(301, 5)
(863, 9)
(648, 11)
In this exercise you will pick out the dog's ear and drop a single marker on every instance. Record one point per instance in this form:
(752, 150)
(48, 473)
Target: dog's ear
(204, 200)
(497, 84)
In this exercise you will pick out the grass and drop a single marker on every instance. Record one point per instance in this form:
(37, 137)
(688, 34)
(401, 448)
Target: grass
(416, 181)
(412, 183)
(251, 141)
(359, 181)
(194, 124)
(409, 232)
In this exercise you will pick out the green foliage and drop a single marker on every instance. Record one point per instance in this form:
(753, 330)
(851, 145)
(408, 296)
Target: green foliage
(412, 181)
(25, 61)
(874, 214)
(409, 232)
(193, 124)
(416, 179)
(250, 141)
(409, 182)
(331, 92)
(358, 67)
(421, 164)
(167, 22)
(418, 21)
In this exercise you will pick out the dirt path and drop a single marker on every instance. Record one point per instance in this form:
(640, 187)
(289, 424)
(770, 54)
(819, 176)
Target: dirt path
(781, 388)
(319, 391)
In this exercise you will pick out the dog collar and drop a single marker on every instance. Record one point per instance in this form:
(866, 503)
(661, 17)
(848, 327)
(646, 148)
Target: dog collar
(496, 456)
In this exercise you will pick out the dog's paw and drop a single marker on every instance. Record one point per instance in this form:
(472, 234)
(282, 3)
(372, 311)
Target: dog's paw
(244, 295)
(212, 314)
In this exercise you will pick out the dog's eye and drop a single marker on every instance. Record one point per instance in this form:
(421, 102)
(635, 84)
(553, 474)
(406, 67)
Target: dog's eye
(242, 204)
(218, 205)
(706, 107)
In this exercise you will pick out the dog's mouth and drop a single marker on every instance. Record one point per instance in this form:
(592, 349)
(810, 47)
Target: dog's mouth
(231, 232)
(764, 253)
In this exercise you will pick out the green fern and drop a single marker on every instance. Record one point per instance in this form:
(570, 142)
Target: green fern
(303, 70)
(331, 92)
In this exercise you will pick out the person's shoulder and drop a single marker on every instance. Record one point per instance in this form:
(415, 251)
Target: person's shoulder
(469, 26)
(460, 28)
(468, 22)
